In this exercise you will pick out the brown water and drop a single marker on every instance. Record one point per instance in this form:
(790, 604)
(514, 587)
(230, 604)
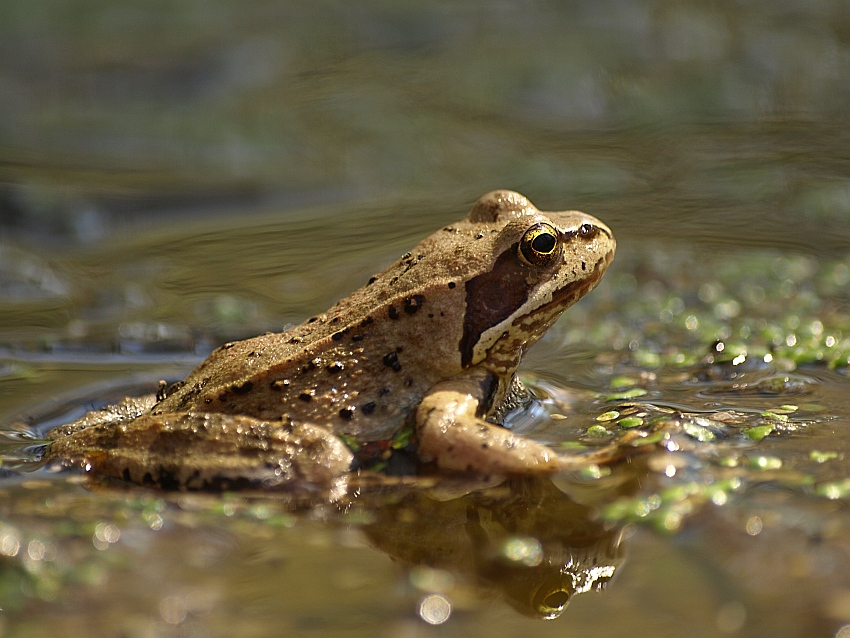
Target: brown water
(173, 176)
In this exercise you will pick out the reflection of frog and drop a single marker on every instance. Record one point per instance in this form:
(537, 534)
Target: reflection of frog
(431, 344)
(523, 538)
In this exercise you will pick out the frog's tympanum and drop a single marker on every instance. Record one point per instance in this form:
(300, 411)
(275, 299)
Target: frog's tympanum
(422, 358)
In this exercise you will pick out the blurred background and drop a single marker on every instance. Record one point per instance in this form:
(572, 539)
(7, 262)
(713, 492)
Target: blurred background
(664, 116)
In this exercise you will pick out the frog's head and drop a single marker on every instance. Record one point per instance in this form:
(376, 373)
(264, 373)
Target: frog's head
(539, 264)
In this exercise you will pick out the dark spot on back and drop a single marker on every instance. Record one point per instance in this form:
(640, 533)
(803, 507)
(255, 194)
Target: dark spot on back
(367, 321)
(335, 367)
(174, 387)
(452, 285)
(305, 396)
(393, 313)
(347, 413)
(413, 304)
(368, 408)
(391, 361)
(242, 388)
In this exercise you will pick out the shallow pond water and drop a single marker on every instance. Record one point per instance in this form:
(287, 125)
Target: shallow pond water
(161, 193)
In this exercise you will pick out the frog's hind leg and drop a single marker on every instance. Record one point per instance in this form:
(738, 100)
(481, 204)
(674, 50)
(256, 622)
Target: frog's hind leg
(124, 411)
(205, 452)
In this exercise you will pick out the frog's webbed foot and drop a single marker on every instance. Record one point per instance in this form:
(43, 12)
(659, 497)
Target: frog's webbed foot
(205, 451)
(451, 433)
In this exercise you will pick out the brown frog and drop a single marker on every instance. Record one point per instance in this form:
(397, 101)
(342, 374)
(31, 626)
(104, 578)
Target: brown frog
(428, 348)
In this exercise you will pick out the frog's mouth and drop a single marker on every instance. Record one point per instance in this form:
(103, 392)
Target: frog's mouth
(567, 295)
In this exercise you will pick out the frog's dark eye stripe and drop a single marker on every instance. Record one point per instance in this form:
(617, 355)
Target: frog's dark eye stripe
(539, 246)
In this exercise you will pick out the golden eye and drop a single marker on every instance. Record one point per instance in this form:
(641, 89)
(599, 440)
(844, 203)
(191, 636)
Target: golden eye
(539, 246)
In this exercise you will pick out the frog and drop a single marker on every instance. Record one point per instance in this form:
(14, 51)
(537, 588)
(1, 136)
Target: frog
(423, 358)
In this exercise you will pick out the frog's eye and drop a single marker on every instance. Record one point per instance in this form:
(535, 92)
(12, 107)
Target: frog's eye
(539, 246)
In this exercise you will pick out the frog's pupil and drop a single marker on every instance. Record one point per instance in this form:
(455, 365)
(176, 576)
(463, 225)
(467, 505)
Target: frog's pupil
(544, 243)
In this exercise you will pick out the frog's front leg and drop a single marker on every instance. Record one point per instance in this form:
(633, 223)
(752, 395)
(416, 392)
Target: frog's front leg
(451, 432)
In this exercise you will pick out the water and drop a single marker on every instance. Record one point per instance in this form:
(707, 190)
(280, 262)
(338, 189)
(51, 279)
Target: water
(174, 177)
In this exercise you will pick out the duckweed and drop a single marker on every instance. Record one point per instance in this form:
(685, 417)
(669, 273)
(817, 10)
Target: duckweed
(597, 431)
(698, 432)
(667, 509)
(630, 422)
(402, 439)
(618, 382)
(652, 439)
(608, 416)
(626, 395)
(758, 432)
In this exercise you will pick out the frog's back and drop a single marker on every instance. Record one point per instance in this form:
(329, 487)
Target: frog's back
(360, 368)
